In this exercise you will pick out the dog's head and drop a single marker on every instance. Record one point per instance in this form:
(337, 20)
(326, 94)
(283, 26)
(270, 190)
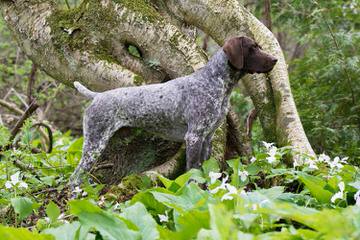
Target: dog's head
(246, 55)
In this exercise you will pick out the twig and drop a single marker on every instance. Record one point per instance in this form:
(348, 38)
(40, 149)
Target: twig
(205, 42)
(236, 135)
(19, 97)
(31, 83)
(250, 121)
(102, 166)
(33, 106)
(50, 135)
(12, 107)
(25, 167)
(267, 14)
(342, 65)
(67, 4)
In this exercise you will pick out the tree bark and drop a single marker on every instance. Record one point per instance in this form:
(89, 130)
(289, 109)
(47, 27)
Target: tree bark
(91, 44)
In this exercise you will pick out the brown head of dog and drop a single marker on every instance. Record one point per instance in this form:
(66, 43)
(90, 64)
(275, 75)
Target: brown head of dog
(246, 55)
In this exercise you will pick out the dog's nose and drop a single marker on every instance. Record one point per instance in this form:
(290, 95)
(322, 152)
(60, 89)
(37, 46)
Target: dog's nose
(274, 60)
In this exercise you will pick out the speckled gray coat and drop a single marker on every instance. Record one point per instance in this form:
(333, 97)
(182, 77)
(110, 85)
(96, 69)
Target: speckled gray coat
(186, 109)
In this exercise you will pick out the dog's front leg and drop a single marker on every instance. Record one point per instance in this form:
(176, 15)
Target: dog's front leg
(194, 143)
(206, 148)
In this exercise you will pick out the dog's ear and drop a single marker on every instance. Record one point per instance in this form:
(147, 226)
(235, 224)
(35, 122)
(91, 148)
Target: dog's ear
(235, 52)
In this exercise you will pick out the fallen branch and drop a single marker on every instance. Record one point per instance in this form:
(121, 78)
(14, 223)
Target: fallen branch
(29, 111)
(31, 83)
(250, 119)
(49, 137)
(10, 106)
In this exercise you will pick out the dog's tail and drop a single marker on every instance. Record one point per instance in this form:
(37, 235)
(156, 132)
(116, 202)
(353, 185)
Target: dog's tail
(84, 91)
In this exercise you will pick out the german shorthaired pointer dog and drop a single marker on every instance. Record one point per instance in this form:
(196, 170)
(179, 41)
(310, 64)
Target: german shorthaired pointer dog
(186, 109)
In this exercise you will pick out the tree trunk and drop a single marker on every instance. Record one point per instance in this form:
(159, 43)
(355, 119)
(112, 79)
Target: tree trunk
(115, 43)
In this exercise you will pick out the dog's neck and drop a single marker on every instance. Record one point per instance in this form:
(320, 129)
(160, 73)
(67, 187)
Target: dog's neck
(219, 69)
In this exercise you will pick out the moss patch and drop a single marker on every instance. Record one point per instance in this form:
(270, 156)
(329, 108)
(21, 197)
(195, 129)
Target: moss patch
(67, 28)
(138, 80)
(141, 6)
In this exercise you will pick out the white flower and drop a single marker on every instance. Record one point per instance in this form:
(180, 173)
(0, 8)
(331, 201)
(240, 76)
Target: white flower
(222, 185)
(15, 181)
(243, 175)
(23, 184)
(243, 193)
(213, 176)
(117, 206)
(336, 163)
(252, 159)
(323, 158)
(77, 190)
(340, 194)
(8, 184)
(231, 191)
(298, 161)
(15, 178)
(311, 164)
(102, 201)
(61, 216)
(271, 159)
(271, 152)
(164, 218)
(357, 198)
(267, 145)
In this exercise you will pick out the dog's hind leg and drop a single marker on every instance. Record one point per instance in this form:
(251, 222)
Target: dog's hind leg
(194, 142)
(96, 137)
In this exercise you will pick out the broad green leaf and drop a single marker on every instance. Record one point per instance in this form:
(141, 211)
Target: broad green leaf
(316, 187)
(52, 211)
(4, 135)
(151, 204)
(10, 233)
(221, 222)
(339, 224)
(189, 223)
(22, 206)
(167, 182)
(109, 226)
(76, 146)
(210, 165)
(191, 196)
(48, 180)
(138, 215)
(179, 182)
(68, 231)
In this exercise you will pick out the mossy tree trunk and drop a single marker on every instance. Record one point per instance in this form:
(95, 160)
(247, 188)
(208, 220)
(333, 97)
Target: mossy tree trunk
(91, 44)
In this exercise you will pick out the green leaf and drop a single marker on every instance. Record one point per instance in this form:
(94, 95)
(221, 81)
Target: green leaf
(52, 211)
(189, 224)
(76, 146)
(9, 233)
(316, 187)
(221, 223)
(151, 204)
(109, 226)
(138, 215)
(179, 182)
(4, 135)
(210, 165)
(191, 196)
(22, 206)
(68, 231)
